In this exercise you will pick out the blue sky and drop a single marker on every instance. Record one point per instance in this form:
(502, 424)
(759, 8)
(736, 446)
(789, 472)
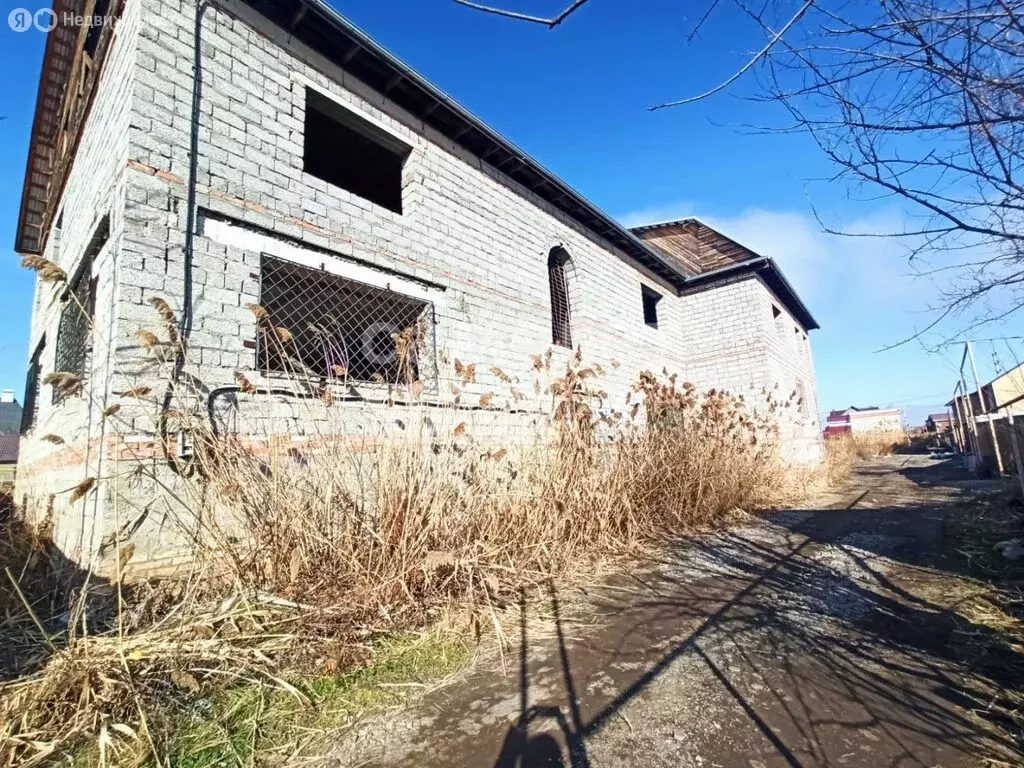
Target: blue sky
(575, 98)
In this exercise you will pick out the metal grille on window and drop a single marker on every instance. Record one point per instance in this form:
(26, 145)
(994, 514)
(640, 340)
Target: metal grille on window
(561, 330)
(323, 325)
(29, 412)
(74, 331)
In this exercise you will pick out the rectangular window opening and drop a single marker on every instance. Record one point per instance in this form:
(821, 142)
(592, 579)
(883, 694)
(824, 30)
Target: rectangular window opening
(30, 412)
(780, 323)
(650, 300)
(333, 328)
(348, 151)
(74, 332)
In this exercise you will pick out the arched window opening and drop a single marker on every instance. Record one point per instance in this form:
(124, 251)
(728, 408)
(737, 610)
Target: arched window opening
(559, 265)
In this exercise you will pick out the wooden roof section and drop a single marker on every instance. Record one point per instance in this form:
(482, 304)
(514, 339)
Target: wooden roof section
(705, 257)
(693, 246)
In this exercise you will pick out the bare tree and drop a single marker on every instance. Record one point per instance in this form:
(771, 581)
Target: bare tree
(920, 99)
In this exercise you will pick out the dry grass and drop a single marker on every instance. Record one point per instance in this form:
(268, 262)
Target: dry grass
(866, 445)
(354, 537)
(882, 443)
(441, 516)
(840, 455)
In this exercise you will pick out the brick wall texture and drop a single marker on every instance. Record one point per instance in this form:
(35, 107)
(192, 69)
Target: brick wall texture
(478, 241)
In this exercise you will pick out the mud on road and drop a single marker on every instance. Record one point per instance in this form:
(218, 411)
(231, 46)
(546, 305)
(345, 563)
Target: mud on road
(816, 637)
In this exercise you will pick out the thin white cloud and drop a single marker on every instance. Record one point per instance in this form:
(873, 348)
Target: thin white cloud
(868, 271)
(659, 213)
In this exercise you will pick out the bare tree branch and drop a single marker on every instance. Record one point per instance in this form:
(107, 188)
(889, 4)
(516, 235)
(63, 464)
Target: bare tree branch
(549, 23)
(745, 68)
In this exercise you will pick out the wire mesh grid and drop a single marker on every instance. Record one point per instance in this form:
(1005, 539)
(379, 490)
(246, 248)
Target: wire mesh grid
(561, 332)
(73, 333)
(323, 325)
(31, 409)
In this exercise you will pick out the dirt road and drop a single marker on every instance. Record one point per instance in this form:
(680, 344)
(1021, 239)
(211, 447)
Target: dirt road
(819, 637)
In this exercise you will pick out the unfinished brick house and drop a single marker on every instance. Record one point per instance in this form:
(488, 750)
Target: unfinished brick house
(268, 152)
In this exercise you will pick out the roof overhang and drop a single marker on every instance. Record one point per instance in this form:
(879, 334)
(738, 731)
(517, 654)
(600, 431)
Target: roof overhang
(765, 268)
(58, 65)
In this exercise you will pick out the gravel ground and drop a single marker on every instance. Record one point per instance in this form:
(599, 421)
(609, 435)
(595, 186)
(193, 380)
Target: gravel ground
(814, 637)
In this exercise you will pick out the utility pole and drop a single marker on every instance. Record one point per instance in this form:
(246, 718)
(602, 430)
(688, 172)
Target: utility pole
(981, 404)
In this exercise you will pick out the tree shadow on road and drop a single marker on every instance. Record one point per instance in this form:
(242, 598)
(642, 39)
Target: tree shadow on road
(815, 638)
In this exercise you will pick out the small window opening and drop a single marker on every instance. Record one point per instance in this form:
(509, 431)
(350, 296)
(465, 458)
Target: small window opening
(55, 237)
(780, 324)
(74, 333)
(30, 412)
(650, 300)
(333, 328)
(559, 264)
(345, 150)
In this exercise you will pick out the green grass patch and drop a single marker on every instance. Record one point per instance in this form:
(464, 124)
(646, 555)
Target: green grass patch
(252, 724)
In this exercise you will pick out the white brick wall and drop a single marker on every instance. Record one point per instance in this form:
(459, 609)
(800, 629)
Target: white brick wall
(465, 226)
(94, 189)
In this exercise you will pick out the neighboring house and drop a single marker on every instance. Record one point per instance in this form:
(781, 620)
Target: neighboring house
(995, 441)
(938, 423)
(8, 457)
(334, 186)
(10, 413)
(854, 421)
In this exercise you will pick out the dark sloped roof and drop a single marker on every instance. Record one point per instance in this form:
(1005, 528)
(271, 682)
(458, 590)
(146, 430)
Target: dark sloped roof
(9, 449)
